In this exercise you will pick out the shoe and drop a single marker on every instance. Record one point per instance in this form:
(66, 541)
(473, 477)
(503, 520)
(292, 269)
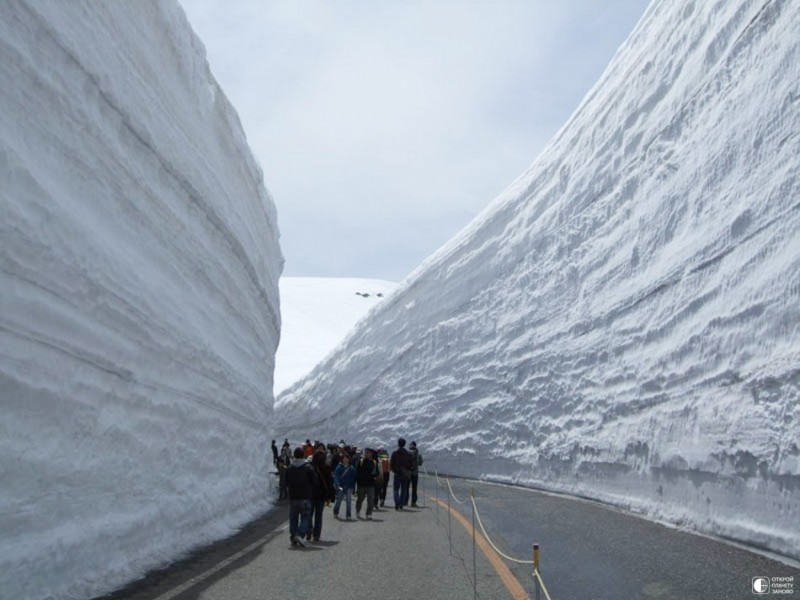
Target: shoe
(316, 538)
(369, 517)
(349, 518)
(414, 505)
(300, 542)
(293, 539)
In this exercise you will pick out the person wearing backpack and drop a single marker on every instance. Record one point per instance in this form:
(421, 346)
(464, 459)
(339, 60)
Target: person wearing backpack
(383, 461)
(416, 458)
(344, 478)
(366, 473)
(401, 464)
(300, 482)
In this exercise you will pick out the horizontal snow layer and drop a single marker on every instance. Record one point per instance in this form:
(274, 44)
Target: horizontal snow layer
(623, 323)
(139, 317)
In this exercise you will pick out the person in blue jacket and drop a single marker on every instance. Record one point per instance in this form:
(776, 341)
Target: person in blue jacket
(344, 478)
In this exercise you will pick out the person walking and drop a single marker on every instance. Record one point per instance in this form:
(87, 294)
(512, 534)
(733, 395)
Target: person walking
(274, 453)
(284, 462)
(345, 480)
(383, 461)
(416, 463)
(320, 494)
(400, 464)
(366, 473)
(300, 484)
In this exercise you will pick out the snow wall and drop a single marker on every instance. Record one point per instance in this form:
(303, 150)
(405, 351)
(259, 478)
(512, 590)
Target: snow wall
(623, 322)
(139, 311)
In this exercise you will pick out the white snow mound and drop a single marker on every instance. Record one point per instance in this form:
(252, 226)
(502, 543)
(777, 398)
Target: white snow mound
(139, 317)
(623, 322)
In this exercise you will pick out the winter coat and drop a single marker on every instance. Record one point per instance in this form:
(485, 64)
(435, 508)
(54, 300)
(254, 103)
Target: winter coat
(322, 488)
(345, 477)
(300, 480)
(402, 463)
(366, 473)
(417, 460)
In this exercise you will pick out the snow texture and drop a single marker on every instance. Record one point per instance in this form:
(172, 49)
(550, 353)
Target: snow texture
(317, 313)
(139, 316)
(623, 322)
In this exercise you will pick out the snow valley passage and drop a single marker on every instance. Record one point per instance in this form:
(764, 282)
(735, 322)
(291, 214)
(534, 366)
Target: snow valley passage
(621, 324)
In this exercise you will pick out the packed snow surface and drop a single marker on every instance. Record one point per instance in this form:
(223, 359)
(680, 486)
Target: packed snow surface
(139, 311)
(623, 322)
(317, 313)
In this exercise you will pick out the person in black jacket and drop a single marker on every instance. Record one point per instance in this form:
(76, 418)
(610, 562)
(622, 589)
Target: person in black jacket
(320, 493)
(300, 483)
(401, 464)
(366, 472)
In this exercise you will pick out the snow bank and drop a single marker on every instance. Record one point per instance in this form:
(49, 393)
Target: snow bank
(139, 305)
(623, 322)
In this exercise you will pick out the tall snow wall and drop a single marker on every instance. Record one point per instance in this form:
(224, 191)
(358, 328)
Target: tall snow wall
(623, 322)
(139, 312)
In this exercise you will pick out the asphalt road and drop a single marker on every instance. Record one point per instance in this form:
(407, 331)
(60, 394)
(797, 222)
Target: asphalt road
(588, 552)
(592, 552)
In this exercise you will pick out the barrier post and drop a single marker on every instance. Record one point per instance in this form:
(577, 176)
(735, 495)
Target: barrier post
(536, 570)
(436, 485)
(449, 526)
(474, 558)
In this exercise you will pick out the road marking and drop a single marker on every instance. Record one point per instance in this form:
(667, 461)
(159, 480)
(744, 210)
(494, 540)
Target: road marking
(219, 566)
(506, 576)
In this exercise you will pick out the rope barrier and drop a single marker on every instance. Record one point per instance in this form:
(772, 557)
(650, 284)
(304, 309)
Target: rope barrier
(539, 579)
(452, 494)
(492, 544)
(476, 516)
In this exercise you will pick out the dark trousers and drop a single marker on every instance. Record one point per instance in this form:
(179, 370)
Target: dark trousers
(318, 507)
(299, 517)
(383, 487)
(369, 493)
(414, 482)
(400, 491)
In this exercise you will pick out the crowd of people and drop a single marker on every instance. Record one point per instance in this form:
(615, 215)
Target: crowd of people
(314, 476)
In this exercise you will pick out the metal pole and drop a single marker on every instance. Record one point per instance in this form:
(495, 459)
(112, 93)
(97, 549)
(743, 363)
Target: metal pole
(474, 557)
(536, 570)
(449, 526)
(437, 499)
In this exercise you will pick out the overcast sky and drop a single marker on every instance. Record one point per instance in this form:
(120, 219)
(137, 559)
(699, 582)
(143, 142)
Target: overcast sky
(384, 126)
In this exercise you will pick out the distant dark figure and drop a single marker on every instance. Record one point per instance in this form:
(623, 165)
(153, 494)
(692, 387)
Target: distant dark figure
(383, 461)
(401, 464)
(417, 463)
(274, 453)
(284, 462)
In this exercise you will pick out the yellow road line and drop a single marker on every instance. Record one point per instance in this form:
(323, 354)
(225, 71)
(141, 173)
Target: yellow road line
(506, 576)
